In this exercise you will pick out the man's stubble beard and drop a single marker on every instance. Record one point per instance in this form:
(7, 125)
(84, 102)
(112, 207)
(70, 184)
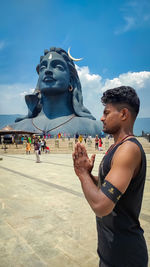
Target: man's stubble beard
(112, 130)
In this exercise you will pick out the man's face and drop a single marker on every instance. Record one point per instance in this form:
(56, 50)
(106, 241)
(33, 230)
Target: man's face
(54, 74)
(111, 119)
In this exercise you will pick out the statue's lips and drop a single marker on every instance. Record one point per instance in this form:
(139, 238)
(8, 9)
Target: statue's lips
(48, 79)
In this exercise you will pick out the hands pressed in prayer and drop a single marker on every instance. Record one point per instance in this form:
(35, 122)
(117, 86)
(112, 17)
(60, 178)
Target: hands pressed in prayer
(82, 163)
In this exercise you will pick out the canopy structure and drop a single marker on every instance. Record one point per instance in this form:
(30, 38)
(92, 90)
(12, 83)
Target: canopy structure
(9, 130)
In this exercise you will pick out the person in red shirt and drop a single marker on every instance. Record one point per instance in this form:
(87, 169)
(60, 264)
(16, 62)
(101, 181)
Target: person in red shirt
(100, 142)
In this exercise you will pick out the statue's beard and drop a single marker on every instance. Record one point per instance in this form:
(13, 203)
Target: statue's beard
(52, 91)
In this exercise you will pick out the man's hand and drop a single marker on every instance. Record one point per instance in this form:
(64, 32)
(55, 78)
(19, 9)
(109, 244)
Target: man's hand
(82, 164)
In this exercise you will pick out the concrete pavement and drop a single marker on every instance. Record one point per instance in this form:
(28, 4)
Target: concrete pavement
(44, 217)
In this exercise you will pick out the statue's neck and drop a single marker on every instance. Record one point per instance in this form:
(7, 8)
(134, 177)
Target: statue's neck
(54, 106)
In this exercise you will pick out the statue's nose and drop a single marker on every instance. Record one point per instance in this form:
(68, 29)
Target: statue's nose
(48, 72)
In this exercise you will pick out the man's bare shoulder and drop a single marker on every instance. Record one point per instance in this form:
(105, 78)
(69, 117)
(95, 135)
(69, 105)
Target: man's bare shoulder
(128, 152)
(130, 147)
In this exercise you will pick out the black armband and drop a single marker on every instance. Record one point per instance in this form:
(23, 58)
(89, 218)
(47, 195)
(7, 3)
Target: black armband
(111, 191)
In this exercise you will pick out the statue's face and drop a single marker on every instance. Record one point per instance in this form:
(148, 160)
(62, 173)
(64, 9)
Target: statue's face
(54, 74)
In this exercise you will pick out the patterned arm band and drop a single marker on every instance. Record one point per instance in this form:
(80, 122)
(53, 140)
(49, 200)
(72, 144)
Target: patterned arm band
(111, 191)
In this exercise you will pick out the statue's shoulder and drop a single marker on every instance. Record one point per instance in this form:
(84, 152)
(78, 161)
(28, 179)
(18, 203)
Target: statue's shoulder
(67, 124)
(87, 125)
(85, 120)
(25, 124)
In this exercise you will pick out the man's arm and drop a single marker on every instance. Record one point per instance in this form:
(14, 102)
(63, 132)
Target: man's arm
(125, 162)
(94, 179)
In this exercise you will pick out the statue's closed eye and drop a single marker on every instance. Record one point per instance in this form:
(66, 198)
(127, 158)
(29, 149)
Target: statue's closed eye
(60, 67)
(42, 67)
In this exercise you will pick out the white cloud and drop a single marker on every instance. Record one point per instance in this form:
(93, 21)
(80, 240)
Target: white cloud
(12, 98)
(30, 91)
(138, 80)
(91, 89)
(23, 93)
(93, 85)
(135, 14)
(130, 23)
(89, 80)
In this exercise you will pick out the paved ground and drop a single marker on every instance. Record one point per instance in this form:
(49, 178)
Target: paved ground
(44, 218)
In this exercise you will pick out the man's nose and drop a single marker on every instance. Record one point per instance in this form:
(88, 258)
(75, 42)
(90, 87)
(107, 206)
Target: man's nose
(102, 118)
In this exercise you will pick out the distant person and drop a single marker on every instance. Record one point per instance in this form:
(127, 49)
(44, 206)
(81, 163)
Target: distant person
(59, 135)
(100, 143)
(28, 147)
(116, 194)
(40, 145)
(43, 144)
(76, 137)
(96, 142)
(85, 138)
(29, 139)
(37, 150)
(80, 138)
(22, 139)
(47, 149)
(13, 139)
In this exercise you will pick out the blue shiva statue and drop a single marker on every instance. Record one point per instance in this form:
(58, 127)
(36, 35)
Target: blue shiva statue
(57, 102)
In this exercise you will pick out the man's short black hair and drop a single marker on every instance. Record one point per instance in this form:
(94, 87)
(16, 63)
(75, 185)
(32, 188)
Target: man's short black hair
(124, 96)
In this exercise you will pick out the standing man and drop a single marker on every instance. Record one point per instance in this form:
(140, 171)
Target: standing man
(116, 194)
(37, 150)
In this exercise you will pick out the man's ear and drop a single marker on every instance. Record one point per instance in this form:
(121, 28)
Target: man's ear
(124, 114)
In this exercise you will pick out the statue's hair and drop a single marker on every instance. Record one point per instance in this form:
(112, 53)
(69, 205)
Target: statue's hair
(77, 98)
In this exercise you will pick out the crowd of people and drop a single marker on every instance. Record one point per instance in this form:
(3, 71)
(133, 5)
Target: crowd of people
(38, 143)
(40, 146)
(98, 140)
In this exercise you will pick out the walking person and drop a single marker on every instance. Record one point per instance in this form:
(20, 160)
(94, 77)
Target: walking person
(85, 138)
(116, 194)
(28, 147)
(80, 138)
(100, 143)
(37, 150)
(40, 145)
(76, 138)
(43, 145)
(96, 141)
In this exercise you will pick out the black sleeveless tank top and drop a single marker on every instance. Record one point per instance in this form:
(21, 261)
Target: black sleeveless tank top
(120, 236)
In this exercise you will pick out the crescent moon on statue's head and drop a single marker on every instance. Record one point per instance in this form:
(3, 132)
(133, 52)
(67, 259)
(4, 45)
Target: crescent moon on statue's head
(74, 59)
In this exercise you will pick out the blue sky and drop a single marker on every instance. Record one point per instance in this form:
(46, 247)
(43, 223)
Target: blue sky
(113, 37)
